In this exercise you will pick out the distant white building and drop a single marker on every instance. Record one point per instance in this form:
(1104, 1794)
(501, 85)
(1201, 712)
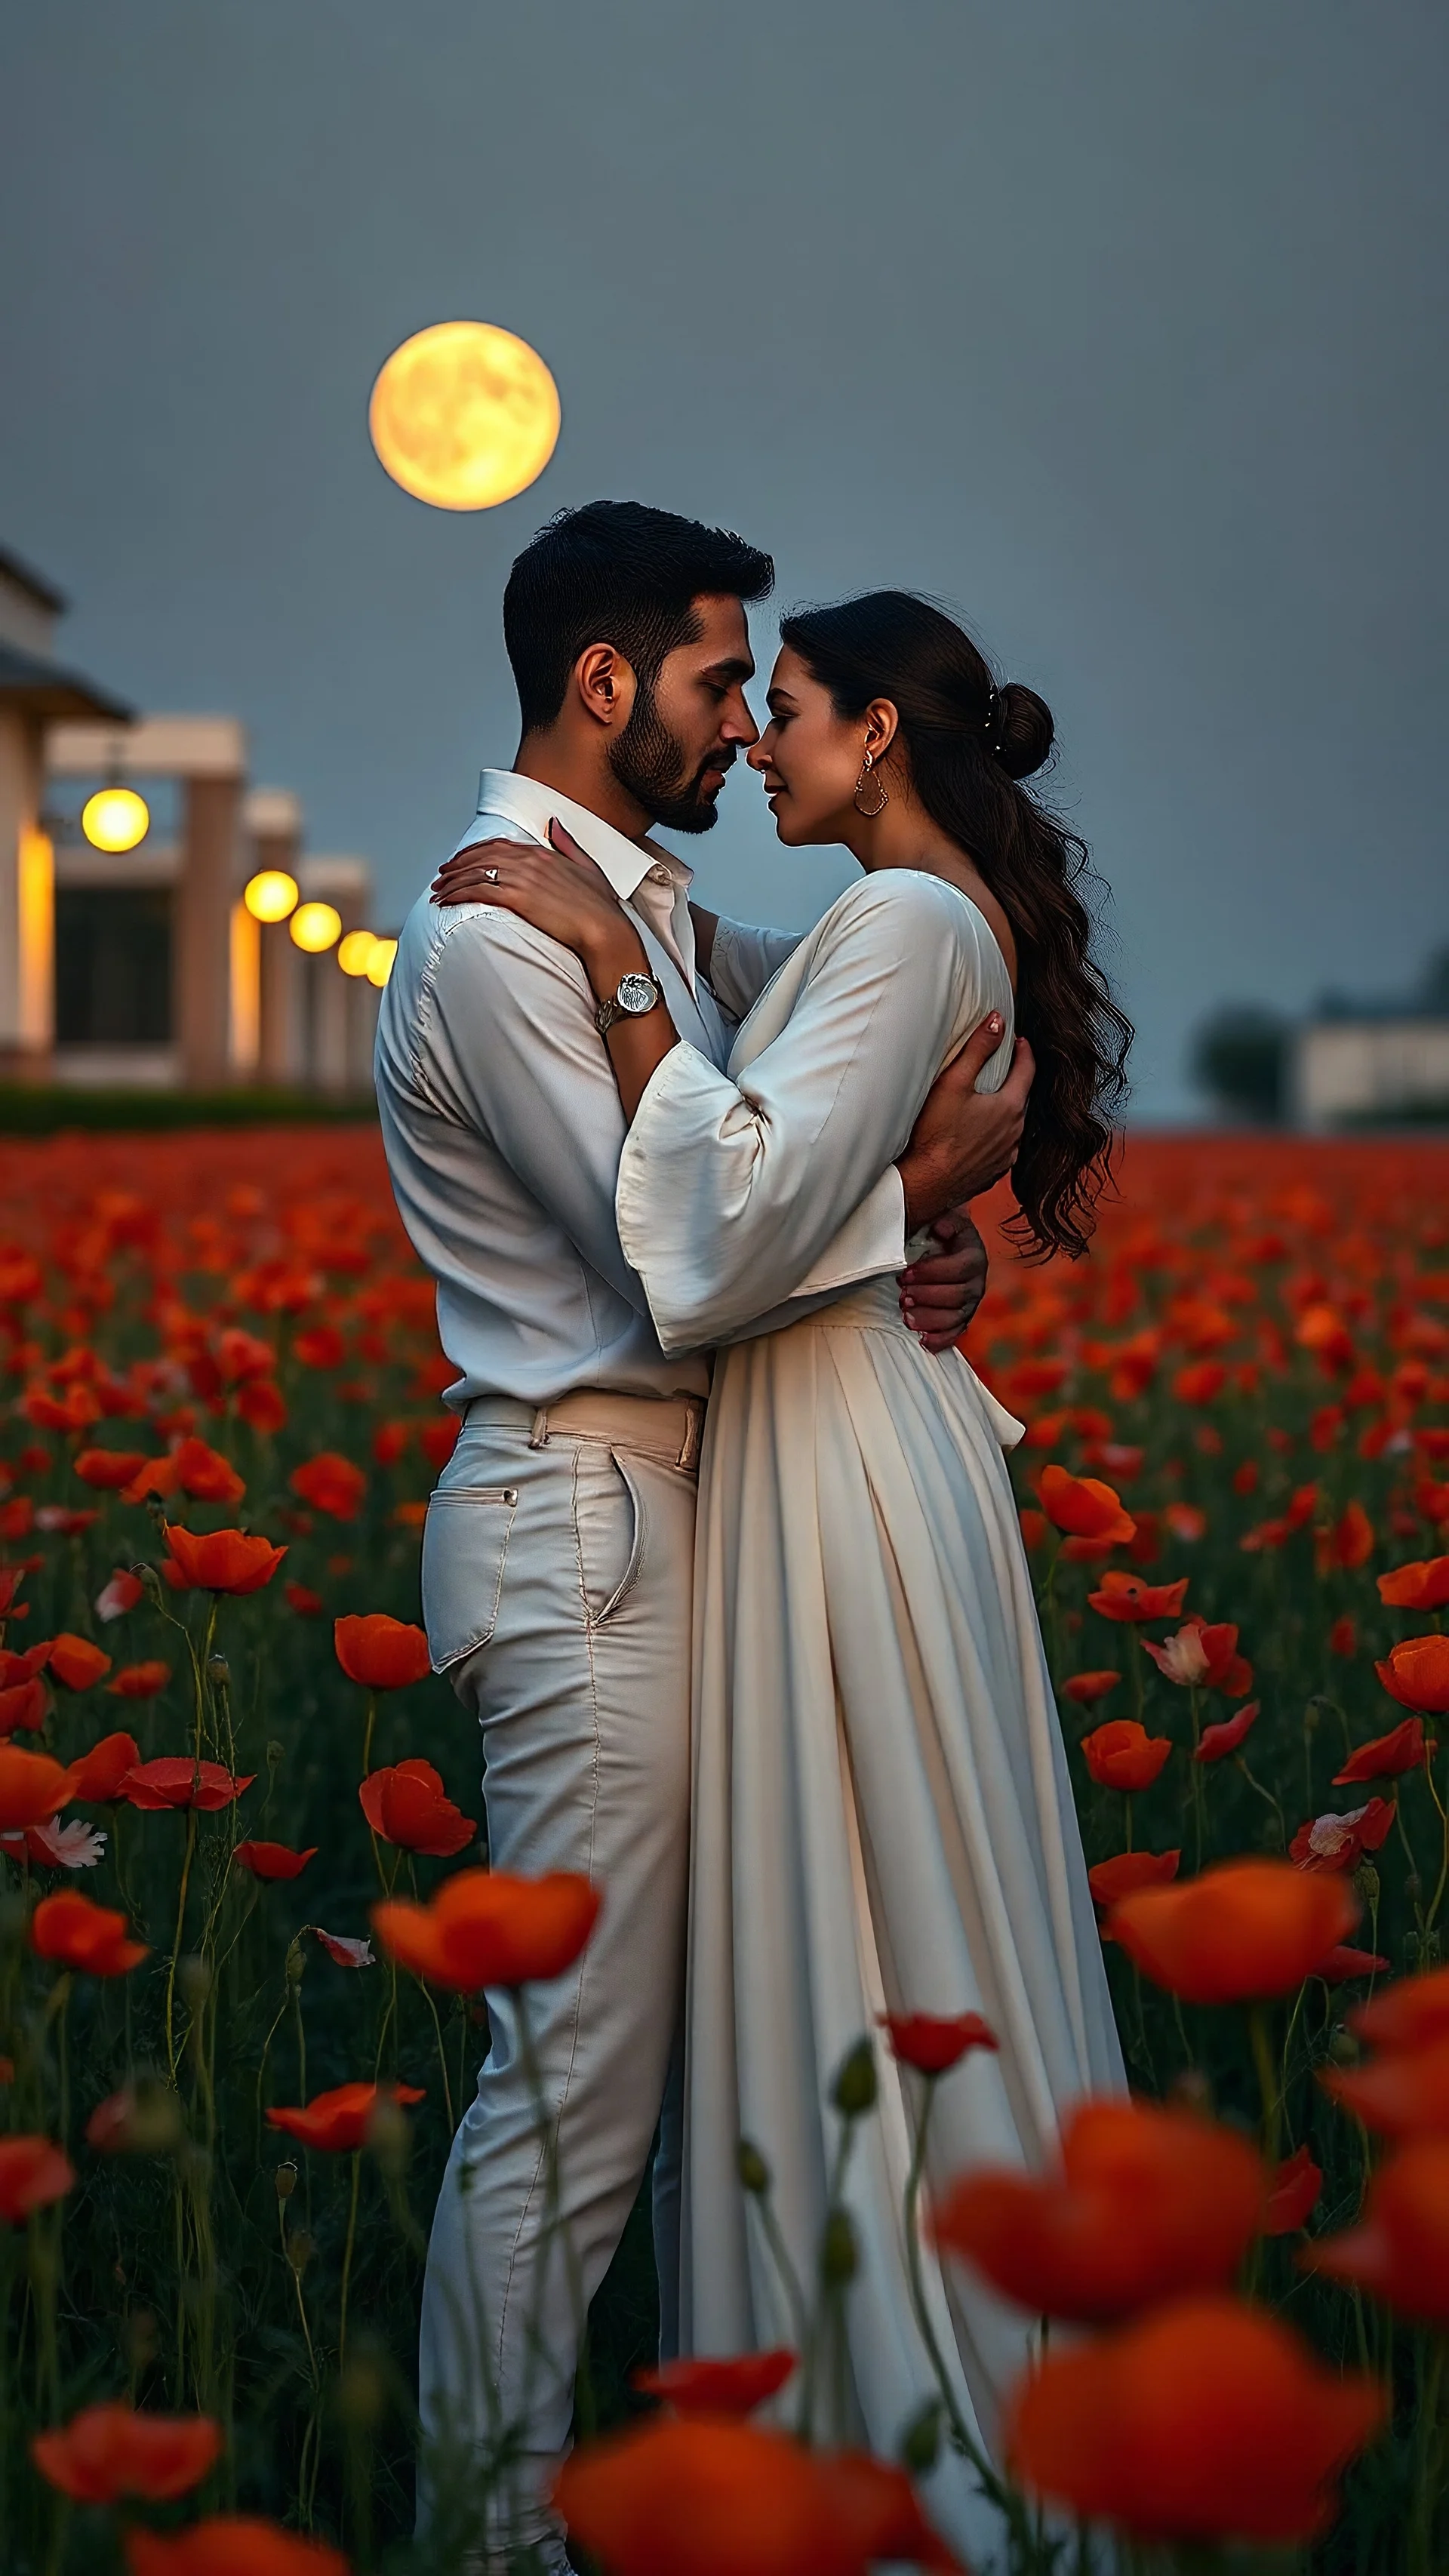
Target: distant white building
(1370, 1066)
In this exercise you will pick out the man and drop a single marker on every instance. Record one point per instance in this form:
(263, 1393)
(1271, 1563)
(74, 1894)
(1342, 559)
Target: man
(557, 1561)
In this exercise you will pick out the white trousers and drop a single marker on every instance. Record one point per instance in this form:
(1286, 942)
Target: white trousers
(556, 1591)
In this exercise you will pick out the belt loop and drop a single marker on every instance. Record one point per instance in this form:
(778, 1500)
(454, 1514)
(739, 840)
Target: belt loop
(690, 1451)
(538, 1436)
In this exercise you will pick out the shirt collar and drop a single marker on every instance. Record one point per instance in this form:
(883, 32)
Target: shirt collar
(527, 801)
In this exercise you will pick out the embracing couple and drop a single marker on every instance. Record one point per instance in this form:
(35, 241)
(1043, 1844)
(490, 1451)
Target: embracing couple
(726, 1559)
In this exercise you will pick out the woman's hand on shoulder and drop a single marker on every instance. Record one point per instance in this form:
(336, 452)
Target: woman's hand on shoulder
(558, 889)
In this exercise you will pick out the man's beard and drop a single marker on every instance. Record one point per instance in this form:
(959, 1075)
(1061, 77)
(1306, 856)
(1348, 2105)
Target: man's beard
(647, 760)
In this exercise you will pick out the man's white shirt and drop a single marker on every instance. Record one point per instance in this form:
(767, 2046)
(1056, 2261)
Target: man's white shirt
(503, 1123)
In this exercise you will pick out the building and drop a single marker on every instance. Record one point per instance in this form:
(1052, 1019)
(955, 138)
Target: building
(1364, 1069)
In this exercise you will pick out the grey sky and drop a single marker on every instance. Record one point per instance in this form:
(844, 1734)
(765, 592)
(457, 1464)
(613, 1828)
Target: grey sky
(1118, 323)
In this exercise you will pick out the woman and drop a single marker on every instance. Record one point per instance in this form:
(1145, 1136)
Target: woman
(882, 1814)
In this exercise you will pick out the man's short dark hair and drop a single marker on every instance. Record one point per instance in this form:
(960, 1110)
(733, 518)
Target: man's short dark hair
(615, 572)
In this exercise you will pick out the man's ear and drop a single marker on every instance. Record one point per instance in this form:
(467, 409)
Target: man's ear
(604, 686)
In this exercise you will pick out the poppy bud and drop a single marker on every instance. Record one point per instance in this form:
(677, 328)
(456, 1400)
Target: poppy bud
(839, 2252)
(752, 2169)
(218, 1670)
(1366, 1880)
(361, 2395)
(854, 2089)
(194, 1978)
(296, 1962)
(300, 2249)
(1343, 2048)
(389, 2137)
(921, 2440)
(286, 2181)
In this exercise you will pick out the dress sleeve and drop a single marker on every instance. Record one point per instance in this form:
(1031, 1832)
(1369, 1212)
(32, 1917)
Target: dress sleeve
(731, 1188)
(742, 961)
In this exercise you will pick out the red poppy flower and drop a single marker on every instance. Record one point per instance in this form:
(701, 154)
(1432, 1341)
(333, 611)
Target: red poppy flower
(107, 2452)
(1126, 1597)
(92, 1938)
(230, 2544)
(177, 1781)
(1399, 2250)
(718, 2388)
(931, 2045)
(121, 1594)
(1416, 1674)
(32, 1788)
(273, 1860)
(223, 1560)
(23, 1668)
(1423, 1586)
(1338, 1842)
(306, 1603)
(1404, 2093)
(1084, 1507)
(261, 1403)
(1388, 1755)
(322, 1348)
(140, 1681)
(331, 1484)
(1344, 1963)
(407, 1805)
(338, 2122)
(1145, 2203)
(487, 1928)
(75, 1662)
(1244, 1930)
(1122, 1755)
(381, 1653)
(1200, 1657)
(1186, 1521)
(882, 2510)
(205, 1475)
(1348, 1543)
(1216, 1742)
(1206, 2420)
(1112, 1879)
(1087, 1688)
(1343, 1638)
(1200, 1381)
(32, 2174)
(108, 1469)
(24, 1705)
(98, 1777)
(1409, 2014)
(1294, 2194)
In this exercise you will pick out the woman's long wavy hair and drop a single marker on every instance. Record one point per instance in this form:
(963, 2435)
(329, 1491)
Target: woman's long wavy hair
(968, 744)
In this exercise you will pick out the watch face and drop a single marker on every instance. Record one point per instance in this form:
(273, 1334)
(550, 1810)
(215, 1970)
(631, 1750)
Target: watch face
(637, 993)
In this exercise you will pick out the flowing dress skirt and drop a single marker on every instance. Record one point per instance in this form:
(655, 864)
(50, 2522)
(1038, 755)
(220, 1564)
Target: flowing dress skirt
(882, 1821)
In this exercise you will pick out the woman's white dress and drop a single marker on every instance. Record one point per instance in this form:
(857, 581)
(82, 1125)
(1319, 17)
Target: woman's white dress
(882, 1816)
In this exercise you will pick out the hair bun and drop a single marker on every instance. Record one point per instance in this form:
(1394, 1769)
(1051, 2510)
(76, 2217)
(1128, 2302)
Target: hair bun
(1023, 732)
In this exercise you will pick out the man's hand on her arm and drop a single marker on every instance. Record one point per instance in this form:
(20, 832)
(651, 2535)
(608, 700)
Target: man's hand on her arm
(941, 1292)
(964, 1140)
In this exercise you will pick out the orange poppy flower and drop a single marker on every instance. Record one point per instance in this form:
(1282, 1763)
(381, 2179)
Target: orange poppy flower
(140, 1681)
(175, 1780)
(1399, 2250)
(1126, 1597)
(261, 1403)
(1200, 1657)
(111, 2451)
(1404, 2094)
(381, 1653)
(1145, 2203)
(407, 1805)
(98, 1776)
(231, 2544)
(731, 2388)
(75, 1662)
(1216, 1742)
(1122, 1755)
(81, 1935)
(22, 1705)
(32, 2174)
(883, 2513)
(32, 1788)
(1416, 1674)
(1200, 1381)
(1423, 1586)
(1085, 1507)
(487, 1928)
(1349, 1543)
(338, 2122)
(1338, 1842)
(23, 1668)
(1343, 1638)
(1112, 1879)
(203, 1473)
(108, 1469)
(1388, 1755)
(1087, 1688)
(331, 1484)
(273, 1860)
(931, 2045)
(1409, 2014)
(301, 1598)
(222, 1560)
(1205, 2421)
(1244, 1930)
(1294, 2194)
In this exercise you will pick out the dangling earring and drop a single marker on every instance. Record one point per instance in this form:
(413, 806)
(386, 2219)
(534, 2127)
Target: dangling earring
(870, 811)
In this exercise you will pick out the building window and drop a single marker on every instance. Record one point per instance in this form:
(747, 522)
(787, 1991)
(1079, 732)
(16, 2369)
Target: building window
(113, 966)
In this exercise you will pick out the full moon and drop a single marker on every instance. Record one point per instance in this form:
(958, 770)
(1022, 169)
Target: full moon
(464, 415)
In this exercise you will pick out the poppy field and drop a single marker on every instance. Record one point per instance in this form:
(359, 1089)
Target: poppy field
(245, 1917)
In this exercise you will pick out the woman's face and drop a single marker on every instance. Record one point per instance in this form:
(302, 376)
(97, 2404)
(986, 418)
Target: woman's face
(809, 757)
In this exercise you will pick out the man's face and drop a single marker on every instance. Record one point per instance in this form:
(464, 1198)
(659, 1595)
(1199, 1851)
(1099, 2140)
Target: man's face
(685, 732)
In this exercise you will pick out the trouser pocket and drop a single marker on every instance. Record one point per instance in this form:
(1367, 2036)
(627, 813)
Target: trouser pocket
(611, 1522)
(465, 1550)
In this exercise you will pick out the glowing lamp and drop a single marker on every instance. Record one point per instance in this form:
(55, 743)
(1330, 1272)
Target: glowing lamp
(464, 415)
(115, 818)
(316, 927)
(355, 954)
(270, 895)
(379, 964)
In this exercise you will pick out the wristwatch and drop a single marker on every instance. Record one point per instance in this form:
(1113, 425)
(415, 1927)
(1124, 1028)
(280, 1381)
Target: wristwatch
(632, 997)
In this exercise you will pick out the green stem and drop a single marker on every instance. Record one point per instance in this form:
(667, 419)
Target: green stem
(347, 2256)
(176, 1943)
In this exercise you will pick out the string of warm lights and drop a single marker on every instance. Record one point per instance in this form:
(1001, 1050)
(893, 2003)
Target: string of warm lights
(274, 896)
